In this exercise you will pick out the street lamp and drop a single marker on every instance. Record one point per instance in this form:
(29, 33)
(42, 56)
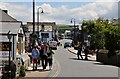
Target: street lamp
(38, 18)
(33, 16)
(9, 37)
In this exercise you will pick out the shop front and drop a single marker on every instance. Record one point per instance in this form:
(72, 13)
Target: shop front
(20, 48)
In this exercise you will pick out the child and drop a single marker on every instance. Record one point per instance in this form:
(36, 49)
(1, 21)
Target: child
(35, 54)
(50, 57)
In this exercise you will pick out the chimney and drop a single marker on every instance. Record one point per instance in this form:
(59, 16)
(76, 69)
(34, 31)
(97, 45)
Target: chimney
(6, 11)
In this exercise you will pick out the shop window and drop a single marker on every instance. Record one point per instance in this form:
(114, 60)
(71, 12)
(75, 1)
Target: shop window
(45, 35)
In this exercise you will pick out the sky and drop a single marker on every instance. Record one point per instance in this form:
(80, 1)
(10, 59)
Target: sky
(61, 11)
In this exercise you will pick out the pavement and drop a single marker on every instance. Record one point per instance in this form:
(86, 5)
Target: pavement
(90, 56)
(38, 73)
(45, 73)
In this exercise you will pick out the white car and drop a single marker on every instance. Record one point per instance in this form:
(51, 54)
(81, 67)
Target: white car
(53, 45)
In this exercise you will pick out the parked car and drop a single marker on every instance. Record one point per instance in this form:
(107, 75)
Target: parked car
(67, 44)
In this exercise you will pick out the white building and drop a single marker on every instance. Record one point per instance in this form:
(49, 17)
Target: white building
(47, 30)
(8, 23)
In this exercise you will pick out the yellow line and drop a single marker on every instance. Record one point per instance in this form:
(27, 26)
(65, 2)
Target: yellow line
(58, 71)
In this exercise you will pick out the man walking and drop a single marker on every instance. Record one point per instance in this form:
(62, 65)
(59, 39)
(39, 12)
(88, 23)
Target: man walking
(43, 53)
(79, 52)
(50, 57)
(86, 52)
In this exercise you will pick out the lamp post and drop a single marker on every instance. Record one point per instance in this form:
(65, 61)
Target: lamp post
(33, 16)
(73, 21)
(9, 37)
(38, 18)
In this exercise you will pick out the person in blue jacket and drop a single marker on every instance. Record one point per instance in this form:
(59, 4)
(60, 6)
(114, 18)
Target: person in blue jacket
(35, 54)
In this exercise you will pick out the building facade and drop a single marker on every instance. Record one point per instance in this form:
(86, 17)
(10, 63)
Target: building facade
(17, 41)
(46, 30)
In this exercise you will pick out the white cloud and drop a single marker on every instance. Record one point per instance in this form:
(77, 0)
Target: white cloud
(62, 14)
(94, 10)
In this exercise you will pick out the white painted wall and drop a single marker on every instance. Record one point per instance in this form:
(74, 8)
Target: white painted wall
(12, 26)
(50, 35)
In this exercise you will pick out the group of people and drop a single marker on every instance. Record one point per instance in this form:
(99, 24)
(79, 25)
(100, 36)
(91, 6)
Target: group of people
(83, 48)
(42, 55)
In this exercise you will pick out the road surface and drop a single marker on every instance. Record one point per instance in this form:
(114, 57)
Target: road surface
(68, 66)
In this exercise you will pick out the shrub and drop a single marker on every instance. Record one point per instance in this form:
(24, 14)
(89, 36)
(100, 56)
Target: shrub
(22, 71)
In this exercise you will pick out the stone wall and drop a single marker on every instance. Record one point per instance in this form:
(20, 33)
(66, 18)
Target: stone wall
(102, 56)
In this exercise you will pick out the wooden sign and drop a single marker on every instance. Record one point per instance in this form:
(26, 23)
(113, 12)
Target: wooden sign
(4, 46)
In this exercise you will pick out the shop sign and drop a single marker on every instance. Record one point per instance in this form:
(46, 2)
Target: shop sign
(4, 46)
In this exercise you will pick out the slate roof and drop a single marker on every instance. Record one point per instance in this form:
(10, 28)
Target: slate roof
(7, 23)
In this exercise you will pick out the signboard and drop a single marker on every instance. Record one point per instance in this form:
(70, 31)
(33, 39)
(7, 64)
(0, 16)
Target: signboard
(4, 51)
(4, 46)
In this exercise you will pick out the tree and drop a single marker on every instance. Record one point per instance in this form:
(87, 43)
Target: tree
(95, 29)
(103, 34)
(112, 39)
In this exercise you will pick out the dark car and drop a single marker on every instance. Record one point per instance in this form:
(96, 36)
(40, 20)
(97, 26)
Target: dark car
(67, 44)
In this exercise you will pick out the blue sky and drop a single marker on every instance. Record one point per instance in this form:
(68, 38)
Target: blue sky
(61, 11)
(48, 0)
(54, 4)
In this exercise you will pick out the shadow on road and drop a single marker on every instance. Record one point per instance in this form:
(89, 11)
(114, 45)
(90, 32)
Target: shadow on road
(82, 59)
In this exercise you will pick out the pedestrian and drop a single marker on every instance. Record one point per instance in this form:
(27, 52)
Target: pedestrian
(86, 50)
(79, 52)
(50, 57)
(39, 57)
(83, 48)
(44, 55)
(29, 50)
(35, 54)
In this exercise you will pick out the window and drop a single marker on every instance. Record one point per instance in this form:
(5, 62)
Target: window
(45, 35)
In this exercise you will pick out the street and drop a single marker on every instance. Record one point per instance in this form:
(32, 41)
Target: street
(31, 30)
(69, 66)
